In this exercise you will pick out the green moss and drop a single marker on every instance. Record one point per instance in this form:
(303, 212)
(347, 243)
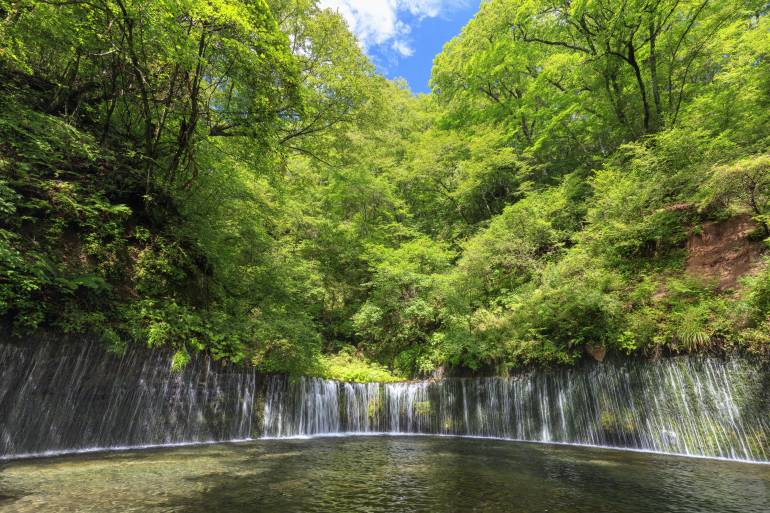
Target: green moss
(347, 365)
(374, 407)
(618, 422)
(422, 408)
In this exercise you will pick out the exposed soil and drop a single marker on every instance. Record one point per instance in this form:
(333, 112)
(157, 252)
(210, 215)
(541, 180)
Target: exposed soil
(723, 252)
(597, 352)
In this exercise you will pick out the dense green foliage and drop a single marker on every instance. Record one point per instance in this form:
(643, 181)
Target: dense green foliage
(233, 176)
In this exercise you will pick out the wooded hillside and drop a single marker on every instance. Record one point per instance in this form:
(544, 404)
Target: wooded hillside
(234, 177)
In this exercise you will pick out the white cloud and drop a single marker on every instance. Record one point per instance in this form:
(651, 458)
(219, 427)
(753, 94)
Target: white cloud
(381, 22)
(402, 48)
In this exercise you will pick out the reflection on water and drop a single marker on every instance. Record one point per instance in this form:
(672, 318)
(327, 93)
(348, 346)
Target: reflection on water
(378, 474)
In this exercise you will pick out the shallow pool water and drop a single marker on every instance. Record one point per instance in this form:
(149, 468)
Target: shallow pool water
(379, 474)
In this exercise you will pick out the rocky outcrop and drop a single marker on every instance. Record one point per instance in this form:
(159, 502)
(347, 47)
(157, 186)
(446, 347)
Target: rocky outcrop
(597, 352)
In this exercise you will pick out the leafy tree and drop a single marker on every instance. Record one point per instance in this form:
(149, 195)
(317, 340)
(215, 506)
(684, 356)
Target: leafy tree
(746, 182)
(400, 314)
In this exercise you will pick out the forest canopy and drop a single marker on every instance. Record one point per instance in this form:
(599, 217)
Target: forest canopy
(235, 177)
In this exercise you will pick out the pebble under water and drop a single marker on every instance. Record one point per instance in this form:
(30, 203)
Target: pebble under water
(383, 474)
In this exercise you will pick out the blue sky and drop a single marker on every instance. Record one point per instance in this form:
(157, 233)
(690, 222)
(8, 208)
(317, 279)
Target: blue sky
(403, 36)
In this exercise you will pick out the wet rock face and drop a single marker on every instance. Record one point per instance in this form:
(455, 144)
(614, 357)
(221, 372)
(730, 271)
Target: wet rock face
(683, 405)
(60, 395)
(722, 251)
(57, 396)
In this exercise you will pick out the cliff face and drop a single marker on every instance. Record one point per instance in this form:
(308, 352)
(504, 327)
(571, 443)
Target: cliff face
(60, 394)
(685, 405)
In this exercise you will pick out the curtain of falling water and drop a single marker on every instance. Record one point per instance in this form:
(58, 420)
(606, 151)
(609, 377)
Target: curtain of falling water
(64, 397)
(704, 407)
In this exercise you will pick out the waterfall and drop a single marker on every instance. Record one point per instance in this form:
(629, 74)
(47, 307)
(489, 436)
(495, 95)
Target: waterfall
(691, 406)
(61, 397)
(58, 396)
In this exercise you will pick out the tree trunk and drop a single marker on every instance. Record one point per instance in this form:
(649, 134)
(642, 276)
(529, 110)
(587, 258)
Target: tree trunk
(654, 76)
